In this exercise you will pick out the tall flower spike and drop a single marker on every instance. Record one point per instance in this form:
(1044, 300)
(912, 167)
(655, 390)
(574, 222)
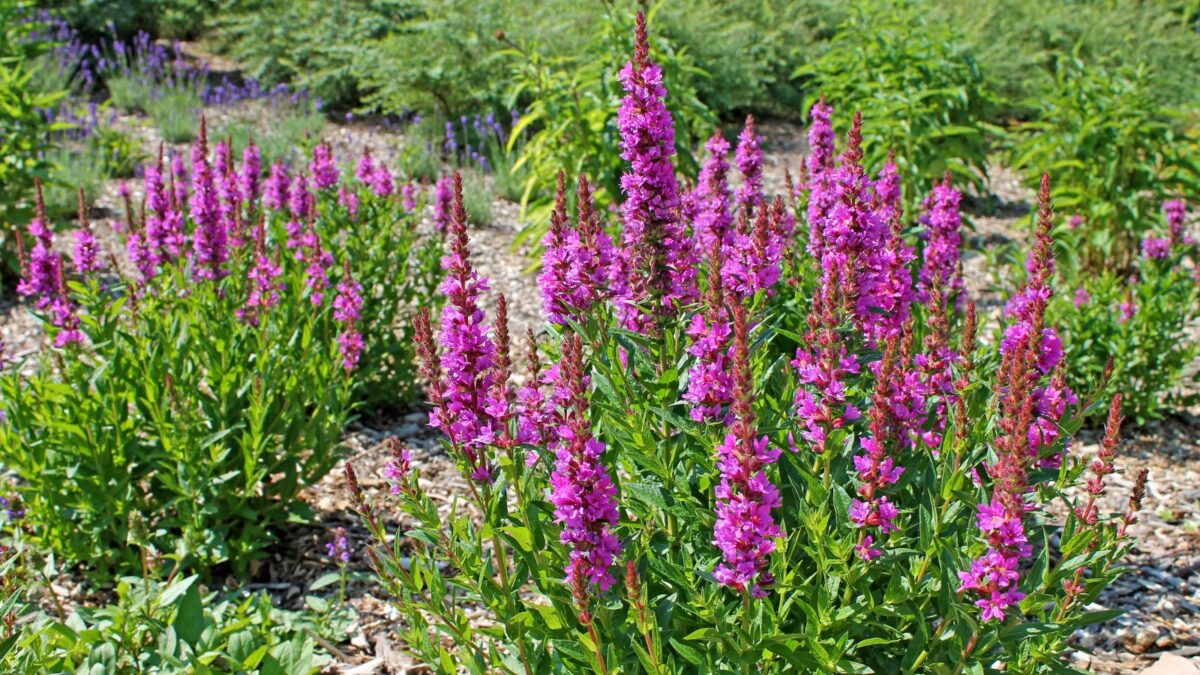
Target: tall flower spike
(41, 271)
(745, 530)
(943, 243)
(209, 240)
(468, 356)
(710, 383)
(711, 196)
(322, 167)
(749, 163)
(347, 309)
(581, 490)
(658, 269)
(819, 165)
(86, 250)
(557, 264)
(823, 365)
(501, 398)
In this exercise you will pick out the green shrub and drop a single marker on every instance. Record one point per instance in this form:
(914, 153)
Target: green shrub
(1115, 154)
(169, 627)
(921, 93)
(202, 404)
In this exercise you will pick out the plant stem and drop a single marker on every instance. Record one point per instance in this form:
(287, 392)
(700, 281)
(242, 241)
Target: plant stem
(599, 648)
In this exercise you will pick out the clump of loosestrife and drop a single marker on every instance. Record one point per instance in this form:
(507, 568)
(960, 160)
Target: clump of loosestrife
(929, 514)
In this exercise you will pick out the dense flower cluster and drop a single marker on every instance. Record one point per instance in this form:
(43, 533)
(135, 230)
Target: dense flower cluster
(347, 309)
(943, 243)
(1176, 212)
(581, 490)
(461, 397)
(578, 260)
(823, 365)
(1030, 412)
(745, 530)
(657, 268)
(710, 382)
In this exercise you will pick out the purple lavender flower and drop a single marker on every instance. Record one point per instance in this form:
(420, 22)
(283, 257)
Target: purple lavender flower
(581, 490)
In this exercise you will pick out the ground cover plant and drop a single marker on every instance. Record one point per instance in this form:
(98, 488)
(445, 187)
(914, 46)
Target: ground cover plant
(680, 494)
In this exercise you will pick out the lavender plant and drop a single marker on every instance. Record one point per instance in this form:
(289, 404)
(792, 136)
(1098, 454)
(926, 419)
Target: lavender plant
(670, 490)
(206, 377)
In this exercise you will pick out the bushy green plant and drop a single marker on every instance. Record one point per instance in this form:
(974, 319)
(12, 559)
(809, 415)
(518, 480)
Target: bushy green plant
(1140, 328)
(85, 163)
(1115, 154)
(921, 93)
(206, 391)
(174, 114)
(166, 627)
(727, 467)
(24, 131)
(288, 136)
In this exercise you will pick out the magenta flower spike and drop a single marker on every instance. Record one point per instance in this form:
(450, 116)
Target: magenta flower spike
(1176, 212)
(710, 380)
(322, 168)
(581, 490)
(87, 252)
(658, 261)
(713, 220)
(468, 355)
(943, 244)
(443, 202)
(41, 270)
(347, 310)
(819, 164)
(745, 530)
(251, 173)
(277, 193)
(749, 163)
(209, 240)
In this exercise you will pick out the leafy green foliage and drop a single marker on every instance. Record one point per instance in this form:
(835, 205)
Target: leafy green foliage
(167, 627)
(1115, 156)
(24, 131)
(921, 93)
(180, 410)
(1142, 326)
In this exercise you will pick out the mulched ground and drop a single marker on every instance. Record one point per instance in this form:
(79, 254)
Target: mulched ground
(1160, 593)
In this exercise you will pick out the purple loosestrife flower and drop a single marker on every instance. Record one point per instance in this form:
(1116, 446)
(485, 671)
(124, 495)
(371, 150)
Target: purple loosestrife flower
(822, 365)
(1156, 248)
(749, 162)
(348, 199)
(556, 260)
(1082, 297)
(64, 317)
(347, 310)
(745, 530)
(40, 273)
(888, 192)
(467, 352)
(277, 193)
(86, 250)
(209, 240)
(262, 281)
(710, 197)
(251, 172)
(322, 167)
(229, 190)
(365, 171)
(943, 243)
(581, 490)
(316, 273)
(302, 205)
(710, 382)
(658, 263)
(576, 260)
(164, 235)
(339, 547)
(819, 164)
(381, 181)
(994, 576)
(180, 180)
(408, 196)
(754, 259)
(1176, 212)
(537, 418)
(399, 467)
